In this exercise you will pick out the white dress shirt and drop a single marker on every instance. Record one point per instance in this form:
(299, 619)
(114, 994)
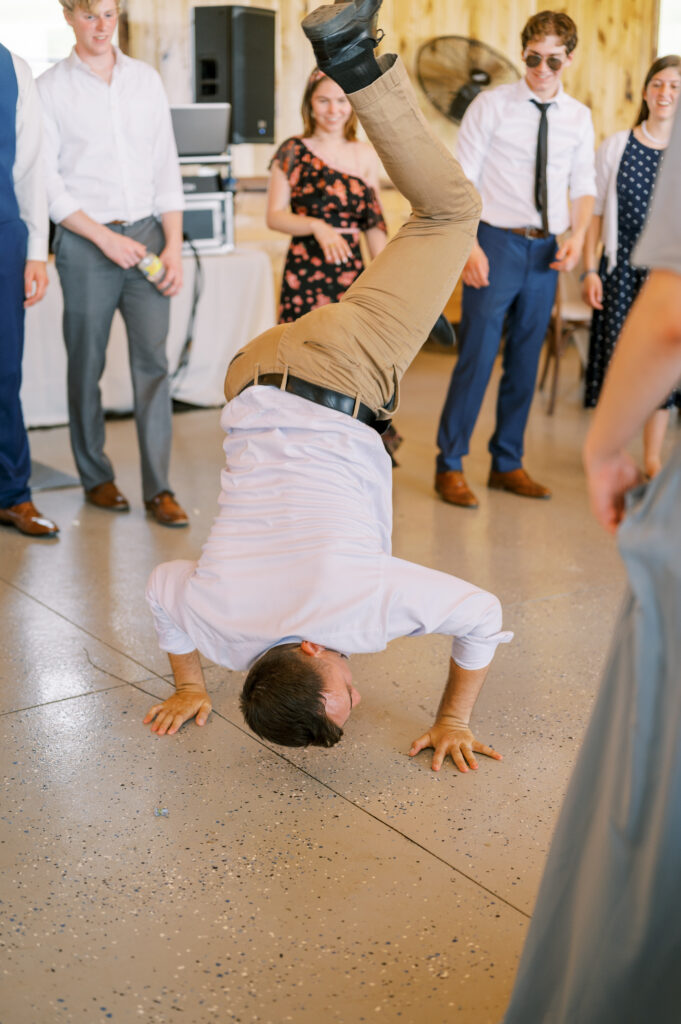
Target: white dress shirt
(28, 173)
(109, 148)
(300, 549)
(497, 146)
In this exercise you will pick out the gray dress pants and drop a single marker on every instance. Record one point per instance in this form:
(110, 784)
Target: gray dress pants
(94, 288)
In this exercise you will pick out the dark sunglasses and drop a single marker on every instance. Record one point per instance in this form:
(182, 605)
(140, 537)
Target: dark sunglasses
(533, 60)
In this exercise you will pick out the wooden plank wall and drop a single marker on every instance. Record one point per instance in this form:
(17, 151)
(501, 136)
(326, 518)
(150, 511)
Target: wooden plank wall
(617, 44)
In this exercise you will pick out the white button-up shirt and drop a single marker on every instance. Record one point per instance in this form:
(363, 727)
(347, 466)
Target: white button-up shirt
(497, 146)
(300, 549)
(28, 174)
(109, 148)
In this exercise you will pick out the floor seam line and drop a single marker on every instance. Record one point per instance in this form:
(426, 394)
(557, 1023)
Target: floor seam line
(82, 629)
(377, 819)
(61, 700)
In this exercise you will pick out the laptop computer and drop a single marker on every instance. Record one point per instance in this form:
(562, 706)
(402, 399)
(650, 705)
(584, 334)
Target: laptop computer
(201, 129)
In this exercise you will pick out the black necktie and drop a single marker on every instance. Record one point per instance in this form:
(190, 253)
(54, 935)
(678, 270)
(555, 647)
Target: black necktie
(541, 190)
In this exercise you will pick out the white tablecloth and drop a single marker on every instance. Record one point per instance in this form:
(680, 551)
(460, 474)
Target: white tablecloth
(236, 304)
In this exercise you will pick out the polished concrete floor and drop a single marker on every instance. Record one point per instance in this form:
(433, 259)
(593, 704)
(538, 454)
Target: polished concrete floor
(306, 886)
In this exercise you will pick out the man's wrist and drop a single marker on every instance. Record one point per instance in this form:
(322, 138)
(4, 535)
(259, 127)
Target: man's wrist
(190, 687)
(450, 719)
(100, 235)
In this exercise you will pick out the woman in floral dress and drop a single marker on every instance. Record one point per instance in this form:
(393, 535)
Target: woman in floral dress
(324, 192)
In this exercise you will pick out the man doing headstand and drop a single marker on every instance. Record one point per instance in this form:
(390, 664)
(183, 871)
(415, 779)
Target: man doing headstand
(297, 571)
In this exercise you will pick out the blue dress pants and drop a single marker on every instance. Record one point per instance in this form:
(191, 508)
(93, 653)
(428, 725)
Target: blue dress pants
(521, 292)
(15, 460)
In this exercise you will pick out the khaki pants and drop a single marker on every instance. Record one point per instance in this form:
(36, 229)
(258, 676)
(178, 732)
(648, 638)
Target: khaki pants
(362, 345)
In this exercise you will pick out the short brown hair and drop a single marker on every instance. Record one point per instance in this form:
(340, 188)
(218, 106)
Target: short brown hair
(315, 80)
(671, 61)
(550, 23)
(282, 700)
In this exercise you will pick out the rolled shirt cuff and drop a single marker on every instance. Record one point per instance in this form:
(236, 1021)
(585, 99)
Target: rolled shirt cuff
(169, 202)
(476, 652)
(63, 207)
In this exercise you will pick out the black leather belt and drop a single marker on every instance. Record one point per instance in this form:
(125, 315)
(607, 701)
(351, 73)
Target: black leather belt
(322, 396)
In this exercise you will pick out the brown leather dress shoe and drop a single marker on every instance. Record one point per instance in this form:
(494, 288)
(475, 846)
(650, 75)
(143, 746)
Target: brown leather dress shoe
(27, 519)
(108, 496)
(452, 487)
(166, 511)
(517, 481)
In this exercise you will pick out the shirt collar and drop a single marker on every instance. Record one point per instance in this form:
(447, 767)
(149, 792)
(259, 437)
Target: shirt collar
(80, 65)
(525, 93)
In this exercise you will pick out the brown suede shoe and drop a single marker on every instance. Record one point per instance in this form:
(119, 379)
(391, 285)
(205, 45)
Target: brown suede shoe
(517, 481)
(108, 496)
(27, 519)
(452, 487)
(166, 511)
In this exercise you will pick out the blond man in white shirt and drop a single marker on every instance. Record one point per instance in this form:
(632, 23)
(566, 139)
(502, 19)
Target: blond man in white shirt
(115, 192)
(510, 277)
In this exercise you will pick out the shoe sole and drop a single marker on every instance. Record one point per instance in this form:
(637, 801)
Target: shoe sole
(459, 504)
(325, 23)
(519, 494)
(172, 526)
(108, 508)
(28, 533)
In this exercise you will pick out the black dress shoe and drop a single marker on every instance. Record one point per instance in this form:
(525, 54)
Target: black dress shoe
(341, 30)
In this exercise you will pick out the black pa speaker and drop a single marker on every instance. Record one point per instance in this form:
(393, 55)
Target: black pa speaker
(234, 63)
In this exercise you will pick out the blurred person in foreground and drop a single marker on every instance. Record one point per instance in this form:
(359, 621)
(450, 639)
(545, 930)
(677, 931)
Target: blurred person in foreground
(604, 945)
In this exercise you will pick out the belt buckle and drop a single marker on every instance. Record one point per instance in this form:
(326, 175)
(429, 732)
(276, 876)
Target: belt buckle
(529, 232)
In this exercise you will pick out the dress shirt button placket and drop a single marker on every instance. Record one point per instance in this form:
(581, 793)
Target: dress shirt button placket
(118, 138)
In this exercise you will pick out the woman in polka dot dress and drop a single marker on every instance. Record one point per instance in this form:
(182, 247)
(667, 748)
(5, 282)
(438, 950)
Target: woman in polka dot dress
(626, 167)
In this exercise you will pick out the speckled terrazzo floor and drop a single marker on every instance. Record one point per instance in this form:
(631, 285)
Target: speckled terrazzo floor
(309, 886)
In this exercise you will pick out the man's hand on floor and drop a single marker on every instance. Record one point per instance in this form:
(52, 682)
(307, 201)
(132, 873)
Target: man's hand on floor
(178, 709)
(455, 739)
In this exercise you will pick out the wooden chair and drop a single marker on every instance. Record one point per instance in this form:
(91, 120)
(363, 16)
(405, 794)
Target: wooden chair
(569, 321)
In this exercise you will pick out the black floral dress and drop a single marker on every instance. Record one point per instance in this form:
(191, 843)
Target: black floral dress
(635, 182)
(341, 200)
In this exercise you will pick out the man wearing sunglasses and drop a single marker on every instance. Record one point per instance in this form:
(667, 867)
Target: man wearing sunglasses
(526, 146)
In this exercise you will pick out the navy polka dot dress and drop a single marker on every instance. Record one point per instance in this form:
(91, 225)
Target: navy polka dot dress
(635, 181)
